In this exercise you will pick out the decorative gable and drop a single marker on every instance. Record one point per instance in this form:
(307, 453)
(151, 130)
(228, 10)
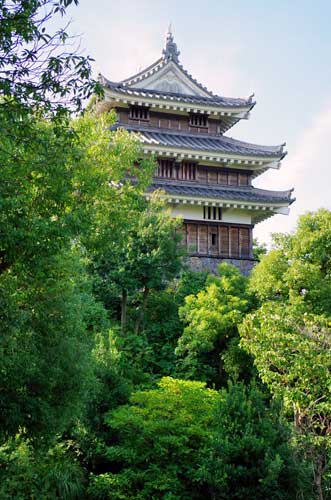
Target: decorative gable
(170, 78)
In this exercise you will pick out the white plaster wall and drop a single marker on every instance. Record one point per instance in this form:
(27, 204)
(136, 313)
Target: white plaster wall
(195, 212)
(236, 215)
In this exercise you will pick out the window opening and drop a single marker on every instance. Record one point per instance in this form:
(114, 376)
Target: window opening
(139, 113)
(165, 169)
(212, 213)
(199, 120)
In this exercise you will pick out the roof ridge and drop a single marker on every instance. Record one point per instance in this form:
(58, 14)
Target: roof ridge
(143, 71)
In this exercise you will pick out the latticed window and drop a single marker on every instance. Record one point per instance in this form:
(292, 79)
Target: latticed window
(199, 120)
(166, 168)
(187, 171)
(212, 213)
(139, 113)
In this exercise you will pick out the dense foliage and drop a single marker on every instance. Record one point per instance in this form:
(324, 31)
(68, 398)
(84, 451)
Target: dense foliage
(289, 335)
(124, 374)
(211, 334)
(182, 440)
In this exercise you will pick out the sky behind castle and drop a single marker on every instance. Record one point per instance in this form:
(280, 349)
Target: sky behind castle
(279, 49)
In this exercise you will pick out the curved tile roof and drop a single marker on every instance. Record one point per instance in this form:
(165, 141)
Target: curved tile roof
(213, 100)
(217, 143)
(239, 193)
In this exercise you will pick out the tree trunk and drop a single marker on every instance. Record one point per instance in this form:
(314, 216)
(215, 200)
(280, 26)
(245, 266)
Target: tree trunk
(123, 310)
(142, 310)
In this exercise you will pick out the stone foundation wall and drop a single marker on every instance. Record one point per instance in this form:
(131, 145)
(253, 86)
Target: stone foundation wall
(210, 264)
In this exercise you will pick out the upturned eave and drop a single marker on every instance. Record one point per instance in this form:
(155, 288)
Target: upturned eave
(241, 162)
(176, 104)
(192, 146)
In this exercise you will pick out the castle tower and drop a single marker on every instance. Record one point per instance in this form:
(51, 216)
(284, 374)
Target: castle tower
(206, 176)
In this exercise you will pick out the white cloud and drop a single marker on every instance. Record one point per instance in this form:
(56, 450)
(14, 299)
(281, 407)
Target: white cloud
(308, 170)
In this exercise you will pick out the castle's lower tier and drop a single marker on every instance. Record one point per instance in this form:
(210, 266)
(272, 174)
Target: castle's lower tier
(217, 240)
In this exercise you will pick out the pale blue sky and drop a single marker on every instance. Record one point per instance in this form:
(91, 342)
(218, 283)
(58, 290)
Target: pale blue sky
(281, 50)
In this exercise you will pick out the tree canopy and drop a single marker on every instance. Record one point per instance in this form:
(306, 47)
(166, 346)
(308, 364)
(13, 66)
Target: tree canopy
(123, 373)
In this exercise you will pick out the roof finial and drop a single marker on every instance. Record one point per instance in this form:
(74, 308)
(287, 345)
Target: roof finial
(170, 52)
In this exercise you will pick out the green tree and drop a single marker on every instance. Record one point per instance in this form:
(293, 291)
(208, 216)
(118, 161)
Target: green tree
(39, 69)
(158, 444)
(298, 268)
(251, 455)
(139, 252)
(46, 320)
(54, 198)
(27, 473)
(162, 326)
(292, 354)
(212, 318)
(259, 249)
(183, 441)
(289, 334)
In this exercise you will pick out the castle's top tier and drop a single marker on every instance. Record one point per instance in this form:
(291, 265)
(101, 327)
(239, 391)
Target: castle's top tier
(166, 85)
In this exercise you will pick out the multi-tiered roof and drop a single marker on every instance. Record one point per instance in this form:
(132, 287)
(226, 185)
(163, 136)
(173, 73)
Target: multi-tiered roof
(166, 87)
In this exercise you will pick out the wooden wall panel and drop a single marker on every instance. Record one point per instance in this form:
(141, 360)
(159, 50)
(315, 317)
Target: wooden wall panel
(203, 239)
(244, 242)
(213, 126)
(154, 120)
(233, 179)
(192, 244)
(202, 174)
(212, 176)
(234, 241)
(181, 122)
(166, 169)
(174, 123)
(243, 179)
(224, 241)
(223, 177)
(217, 240)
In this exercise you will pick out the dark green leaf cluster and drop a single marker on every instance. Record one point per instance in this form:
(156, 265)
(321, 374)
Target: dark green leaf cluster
(38, 67)
(184, 441)
(211, 333)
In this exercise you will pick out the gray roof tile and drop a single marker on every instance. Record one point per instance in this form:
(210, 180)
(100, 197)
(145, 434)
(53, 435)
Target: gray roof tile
(193, 99)
(198, 142)
(239, 193)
